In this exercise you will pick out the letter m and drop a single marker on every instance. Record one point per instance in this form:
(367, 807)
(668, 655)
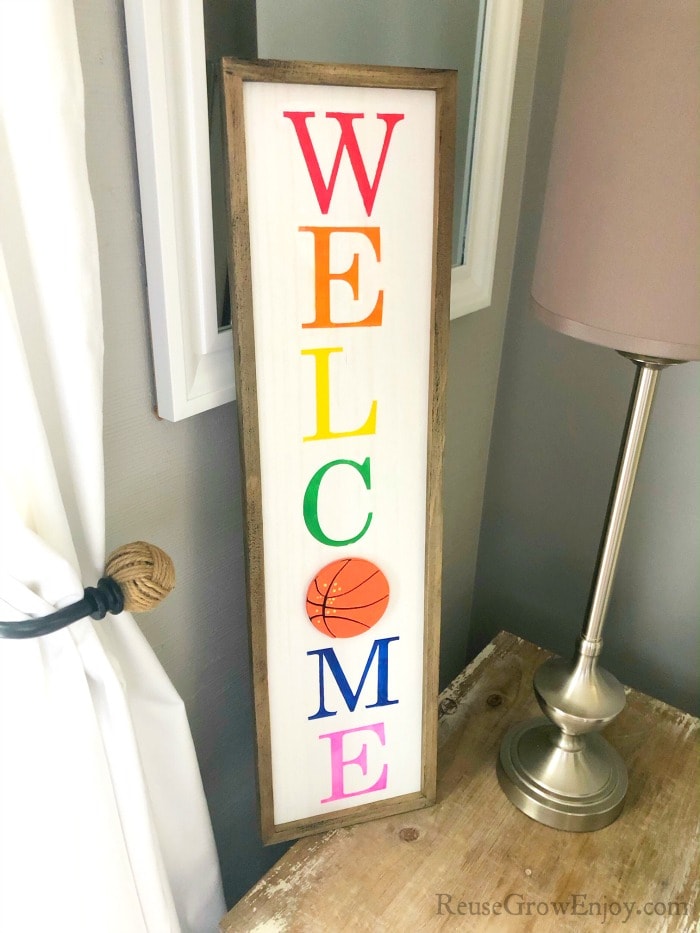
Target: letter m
(380, 648)
(348, 141)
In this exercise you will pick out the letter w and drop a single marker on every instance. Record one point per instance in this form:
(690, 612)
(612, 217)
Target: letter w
(348, 140)
(381, 649)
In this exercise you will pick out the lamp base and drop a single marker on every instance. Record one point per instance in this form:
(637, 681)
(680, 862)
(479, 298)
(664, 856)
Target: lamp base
(576, 783)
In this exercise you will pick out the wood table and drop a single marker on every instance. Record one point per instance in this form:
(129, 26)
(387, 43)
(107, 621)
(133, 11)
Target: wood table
(474, 862)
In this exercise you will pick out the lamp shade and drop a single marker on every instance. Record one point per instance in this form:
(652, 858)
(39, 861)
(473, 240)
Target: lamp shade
(618, 262)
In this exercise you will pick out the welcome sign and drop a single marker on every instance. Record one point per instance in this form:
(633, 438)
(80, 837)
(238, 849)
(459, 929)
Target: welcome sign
(340, 201)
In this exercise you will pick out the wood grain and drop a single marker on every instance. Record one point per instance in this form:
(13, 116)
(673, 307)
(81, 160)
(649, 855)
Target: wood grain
(443, 83)
(477, 849)
(246, 393)
(446, 120)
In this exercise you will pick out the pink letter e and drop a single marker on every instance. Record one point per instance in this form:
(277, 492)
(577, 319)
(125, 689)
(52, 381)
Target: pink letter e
(338, 763)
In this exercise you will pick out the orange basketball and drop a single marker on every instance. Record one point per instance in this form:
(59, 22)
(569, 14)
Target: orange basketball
(347, 597)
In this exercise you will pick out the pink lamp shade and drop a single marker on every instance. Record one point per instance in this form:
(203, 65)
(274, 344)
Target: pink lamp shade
(618, 262)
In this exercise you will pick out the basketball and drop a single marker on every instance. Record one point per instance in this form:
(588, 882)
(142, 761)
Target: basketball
(347, 597)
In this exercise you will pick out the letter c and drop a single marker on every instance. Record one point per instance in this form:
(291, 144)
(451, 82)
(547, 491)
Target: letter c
(311, 501)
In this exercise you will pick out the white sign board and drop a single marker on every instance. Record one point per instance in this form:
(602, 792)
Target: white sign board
(340, 187)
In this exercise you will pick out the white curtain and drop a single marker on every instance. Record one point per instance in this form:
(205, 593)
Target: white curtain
(103, 822)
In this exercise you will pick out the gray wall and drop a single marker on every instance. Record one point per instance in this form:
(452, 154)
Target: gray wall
(475, 354)
(179, 484)
(559, 419)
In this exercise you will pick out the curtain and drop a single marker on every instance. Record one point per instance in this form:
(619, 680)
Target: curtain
(103, 822)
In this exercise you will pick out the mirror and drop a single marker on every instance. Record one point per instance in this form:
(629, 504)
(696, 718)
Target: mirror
(443, 34)
(229, 29)
(180, 170)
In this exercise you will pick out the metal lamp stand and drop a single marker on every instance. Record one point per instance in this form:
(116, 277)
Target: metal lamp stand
(559, 770)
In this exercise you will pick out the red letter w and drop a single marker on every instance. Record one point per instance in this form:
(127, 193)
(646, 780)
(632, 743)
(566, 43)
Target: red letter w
(348, 140)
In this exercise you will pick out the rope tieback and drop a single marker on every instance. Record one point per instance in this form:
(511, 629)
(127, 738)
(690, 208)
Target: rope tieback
(145, 574)
(137, 577)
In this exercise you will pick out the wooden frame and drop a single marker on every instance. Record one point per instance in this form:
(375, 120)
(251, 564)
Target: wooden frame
(253, 86)
(192, 359)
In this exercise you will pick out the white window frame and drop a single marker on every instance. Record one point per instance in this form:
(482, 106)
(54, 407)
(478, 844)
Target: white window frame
(193, 360)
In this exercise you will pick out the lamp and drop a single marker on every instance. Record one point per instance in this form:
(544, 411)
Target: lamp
(617, 265)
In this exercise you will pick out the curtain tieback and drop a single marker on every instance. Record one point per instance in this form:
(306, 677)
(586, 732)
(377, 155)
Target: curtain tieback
(137, 577)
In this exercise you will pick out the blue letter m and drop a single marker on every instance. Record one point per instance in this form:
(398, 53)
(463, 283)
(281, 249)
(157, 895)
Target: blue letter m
(379, 648)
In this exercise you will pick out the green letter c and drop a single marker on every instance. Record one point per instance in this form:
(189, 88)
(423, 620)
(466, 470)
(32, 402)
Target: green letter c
(311, 501)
